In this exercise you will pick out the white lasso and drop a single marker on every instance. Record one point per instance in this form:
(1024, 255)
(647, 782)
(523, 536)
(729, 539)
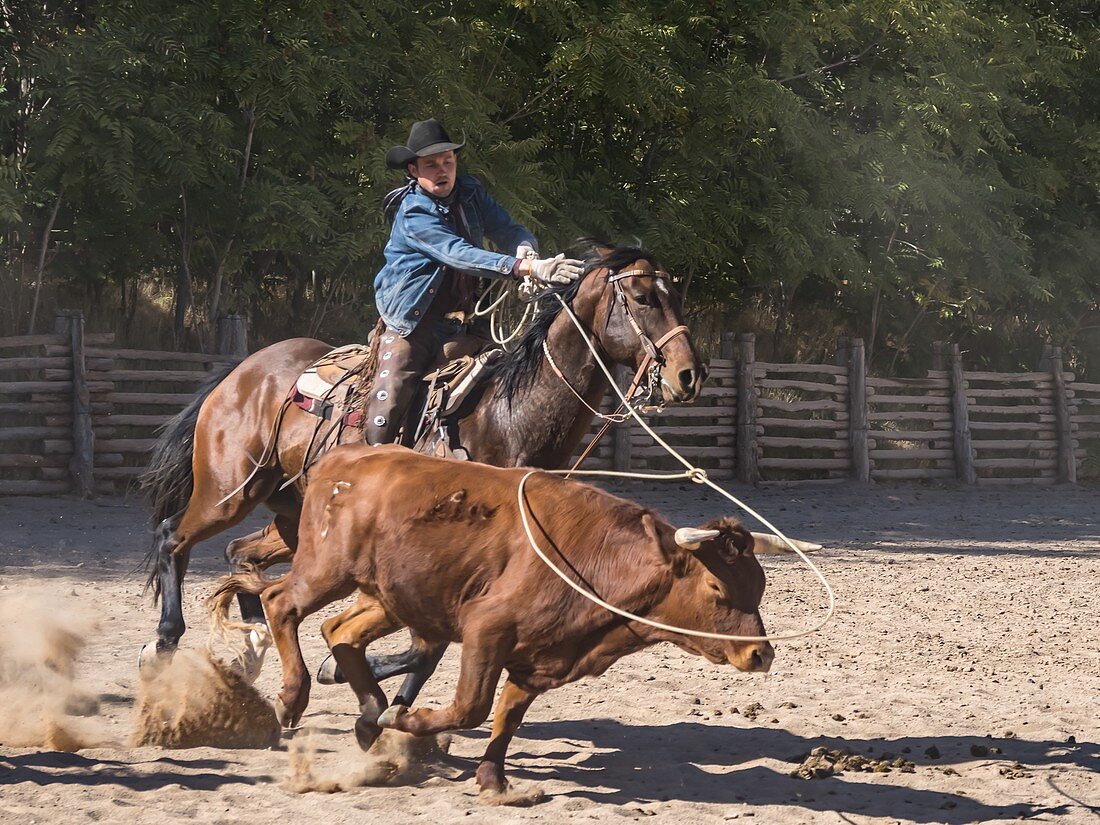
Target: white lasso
(696, 474)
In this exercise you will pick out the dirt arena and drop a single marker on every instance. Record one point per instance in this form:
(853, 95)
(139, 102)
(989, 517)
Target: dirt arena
(966, 643)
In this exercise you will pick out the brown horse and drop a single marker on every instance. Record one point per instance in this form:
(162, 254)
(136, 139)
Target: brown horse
(526, 415)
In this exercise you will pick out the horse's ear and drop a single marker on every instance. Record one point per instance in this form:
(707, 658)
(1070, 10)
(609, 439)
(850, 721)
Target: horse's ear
(603, 250)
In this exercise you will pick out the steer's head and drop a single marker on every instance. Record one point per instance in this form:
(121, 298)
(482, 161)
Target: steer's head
(718, 587)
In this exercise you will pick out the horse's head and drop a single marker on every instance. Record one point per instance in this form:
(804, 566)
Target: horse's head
(635, 313)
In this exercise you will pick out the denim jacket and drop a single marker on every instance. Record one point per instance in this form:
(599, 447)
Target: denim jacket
(424, 241)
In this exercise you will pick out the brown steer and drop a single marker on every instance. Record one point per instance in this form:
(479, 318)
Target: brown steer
(437, 545)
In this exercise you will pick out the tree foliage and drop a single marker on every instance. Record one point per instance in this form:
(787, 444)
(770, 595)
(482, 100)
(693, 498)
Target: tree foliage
(900, 169)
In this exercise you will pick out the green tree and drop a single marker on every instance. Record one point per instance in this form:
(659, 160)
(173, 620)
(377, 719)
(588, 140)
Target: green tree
(902, 170)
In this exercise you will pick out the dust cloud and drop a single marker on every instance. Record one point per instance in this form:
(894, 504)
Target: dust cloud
(395, 759)
(42, 636)
(199, 701)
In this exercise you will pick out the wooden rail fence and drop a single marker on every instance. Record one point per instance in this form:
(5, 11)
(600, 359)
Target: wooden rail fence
(759, 421)
(78, 415)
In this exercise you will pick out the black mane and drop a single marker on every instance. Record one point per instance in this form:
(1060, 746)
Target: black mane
(516, 370)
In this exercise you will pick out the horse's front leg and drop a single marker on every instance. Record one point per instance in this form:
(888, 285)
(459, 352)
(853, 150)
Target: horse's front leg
(419, 662)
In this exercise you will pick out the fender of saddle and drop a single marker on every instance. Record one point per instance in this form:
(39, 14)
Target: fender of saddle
(451, 384)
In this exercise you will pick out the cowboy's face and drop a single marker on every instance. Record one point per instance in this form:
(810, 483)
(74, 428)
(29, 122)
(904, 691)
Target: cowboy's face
(436, 173)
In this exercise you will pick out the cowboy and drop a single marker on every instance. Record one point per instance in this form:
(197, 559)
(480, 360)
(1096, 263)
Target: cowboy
(427, 289)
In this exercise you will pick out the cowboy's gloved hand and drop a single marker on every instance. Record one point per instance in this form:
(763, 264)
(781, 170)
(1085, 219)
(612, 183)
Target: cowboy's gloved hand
(556, 270)
(526, 252)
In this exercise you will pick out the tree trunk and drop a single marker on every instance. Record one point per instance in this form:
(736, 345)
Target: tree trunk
(40, 271)
(184, 294)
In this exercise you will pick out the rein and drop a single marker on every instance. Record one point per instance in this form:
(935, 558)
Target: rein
(648, 369)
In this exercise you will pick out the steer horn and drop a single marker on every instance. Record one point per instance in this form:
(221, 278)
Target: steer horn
(691, 537)
(766, 544)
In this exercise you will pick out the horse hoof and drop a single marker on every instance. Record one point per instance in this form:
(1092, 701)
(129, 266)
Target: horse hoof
(153, 659)
(366, 732)
(390, 715)
(283, 715)
(329, 672)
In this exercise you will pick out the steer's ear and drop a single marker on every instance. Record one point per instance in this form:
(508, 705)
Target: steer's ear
(732, 539)
(667, 547)
(736, 541)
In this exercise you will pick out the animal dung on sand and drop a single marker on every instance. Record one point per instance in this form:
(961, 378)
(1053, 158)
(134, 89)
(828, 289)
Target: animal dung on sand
(198, 701)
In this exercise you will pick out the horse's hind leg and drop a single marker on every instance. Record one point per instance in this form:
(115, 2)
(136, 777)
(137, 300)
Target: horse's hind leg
(175, 536)
(274, 544)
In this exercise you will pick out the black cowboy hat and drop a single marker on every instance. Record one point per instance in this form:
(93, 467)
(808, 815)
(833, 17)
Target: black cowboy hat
(426, 137)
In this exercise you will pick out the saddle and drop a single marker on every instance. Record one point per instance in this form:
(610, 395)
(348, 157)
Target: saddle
(337, 385)
(446, 389)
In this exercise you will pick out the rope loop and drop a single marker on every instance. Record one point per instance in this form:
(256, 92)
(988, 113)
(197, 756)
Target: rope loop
(696, 474)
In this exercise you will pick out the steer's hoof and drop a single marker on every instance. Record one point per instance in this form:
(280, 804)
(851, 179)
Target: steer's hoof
(390, 715)
(284, 715)
(153, 659)
(329, 672)
(490, 778)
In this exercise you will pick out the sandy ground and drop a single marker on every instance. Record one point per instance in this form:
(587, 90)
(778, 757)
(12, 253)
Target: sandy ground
(966, 641)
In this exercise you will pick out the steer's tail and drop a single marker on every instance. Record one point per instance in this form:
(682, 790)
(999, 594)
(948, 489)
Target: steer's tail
(250, 580)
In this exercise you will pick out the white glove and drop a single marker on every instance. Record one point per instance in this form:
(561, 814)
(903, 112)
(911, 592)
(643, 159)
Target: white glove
(526, 252)
(556, 270)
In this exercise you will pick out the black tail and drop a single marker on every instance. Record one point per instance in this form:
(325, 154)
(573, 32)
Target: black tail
(169, 479)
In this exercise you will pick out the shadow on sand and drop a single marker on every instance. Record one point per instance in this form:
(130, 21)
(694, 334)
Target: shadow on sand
(653, 763)
(58, 768)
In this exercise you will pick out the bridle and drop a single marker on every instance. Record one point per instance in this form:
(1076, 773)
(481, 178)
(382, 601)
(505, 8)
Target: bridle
(646, 382)
(653, 348)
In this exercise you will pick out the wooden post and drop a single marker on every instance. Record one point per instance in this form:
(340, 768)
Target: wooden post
(620, 451)
(747, 470)
(1067, 461)
(232, 336)
(857, 412)
(960, 415)
(70, 323)
(1044, 358)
